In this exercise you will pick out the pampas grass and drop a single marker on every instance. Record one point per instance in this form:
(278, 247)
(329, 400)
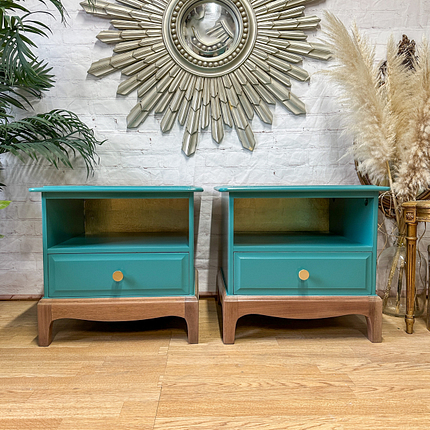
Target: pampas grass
(367, 115)
(389, 118)
(414, 163)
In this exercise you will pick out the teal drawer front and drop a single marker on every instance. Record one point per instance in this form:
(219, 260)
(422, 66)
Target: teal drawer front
(145, 275)
(274, 273)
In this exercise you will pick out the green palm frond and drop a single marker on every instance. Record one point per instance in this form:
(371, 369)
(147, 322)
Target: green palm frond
(59, 6)
(19, 66)
(13, 5)
(9, 97)
(55, 136)
(3, 204)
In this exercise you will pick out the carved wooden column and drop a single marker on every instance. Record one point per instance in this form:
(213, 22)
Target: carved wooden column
(410, 211)
(414, 212)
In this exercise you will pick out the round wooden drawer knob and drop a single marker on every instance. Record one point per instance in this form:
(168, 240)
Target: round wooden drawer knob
(304, 275)
(117, 276)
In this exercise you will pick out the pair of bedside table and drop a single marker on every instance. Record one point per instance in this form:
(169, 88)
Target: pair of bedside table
(127, 253)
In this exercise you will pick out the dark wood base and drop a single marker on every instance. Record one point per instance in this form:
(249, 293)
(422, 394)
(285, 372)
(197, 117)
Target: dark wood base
(234, 307)
(117, 309)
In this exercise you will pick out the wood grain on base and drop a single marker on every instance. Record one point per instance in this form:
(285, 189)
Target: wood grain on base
(116, 309)
(303, 307)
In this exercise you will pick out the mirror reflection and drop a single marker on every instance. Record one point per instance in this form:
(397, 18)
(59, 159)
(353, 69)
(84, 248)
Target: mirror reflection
(210, 29)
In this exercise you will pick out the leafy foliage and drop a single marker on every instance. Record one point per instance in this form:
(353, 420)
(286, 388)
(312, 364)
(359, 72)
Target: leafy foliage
(53, 135)
(57, 135)
(4, 204)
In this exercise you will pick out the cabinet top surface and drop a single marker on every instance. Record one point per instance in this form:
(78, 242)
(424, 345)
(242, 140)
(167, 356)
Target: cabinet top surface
(302, 188)
(115, 189)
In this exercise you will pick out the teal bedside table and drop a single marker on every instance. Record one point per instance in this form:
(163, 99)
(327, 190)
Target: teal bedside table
(118, 254)
(299, 252)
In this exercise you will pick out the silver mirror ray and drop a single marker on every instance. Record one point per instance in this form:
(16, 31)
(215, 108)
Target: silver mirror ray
(207, 62)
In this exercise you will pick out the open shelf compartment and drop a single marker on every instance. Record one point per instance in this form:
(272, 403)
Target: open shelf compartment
(117, 225)
(303, 223)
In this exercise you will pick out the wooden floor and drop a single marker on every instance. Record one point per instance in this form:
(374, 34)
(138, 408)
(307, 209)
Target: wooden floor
(280, 374)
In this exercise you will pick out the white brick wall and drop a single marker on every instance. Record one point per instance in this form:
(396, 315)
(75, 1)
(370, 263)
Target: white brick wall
(294, 150)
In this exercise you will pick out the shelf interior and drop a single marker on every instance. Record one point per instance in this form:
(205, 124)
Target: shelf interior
(322, 222)
(311, 240)
(121, 242)
(117, 225)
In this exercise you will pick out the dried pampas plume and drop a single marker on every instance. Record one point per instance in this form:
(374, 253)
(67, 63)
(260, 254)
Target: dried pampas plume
(414, 166)
(387, 108)
(367, 116)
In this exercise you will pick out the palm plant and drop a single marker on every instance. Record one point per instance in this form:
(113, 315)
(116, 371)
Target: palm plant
(57, 136)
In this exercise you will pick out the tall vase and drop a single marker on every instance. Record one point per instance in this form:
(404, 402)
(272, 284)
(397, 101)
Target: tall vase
(391, 279)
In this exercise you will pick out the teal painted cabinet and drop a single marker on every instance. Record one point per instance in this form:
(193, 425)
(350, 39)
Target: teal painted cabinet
(299, 252)
(118, 253)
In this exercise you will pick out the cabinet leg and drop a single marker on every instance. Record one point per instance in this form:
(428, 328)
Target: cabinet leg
(409, 324)
(229, 321)
(192, 319)
(374, 321)
(44, 324)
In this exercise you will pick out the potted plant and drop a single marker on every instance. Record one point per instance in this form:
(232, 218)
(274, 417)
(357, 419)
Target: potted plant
(57, 136)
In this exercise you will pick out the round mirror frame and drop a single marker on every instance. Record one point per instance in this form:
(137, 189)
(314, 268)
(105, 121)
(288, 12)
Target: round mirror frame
(207, 63)
(173, 37)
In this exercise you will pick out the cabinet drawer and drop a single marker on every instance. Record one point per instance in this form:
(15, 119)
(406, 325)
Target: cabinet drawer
(90, 275)
(278, 273)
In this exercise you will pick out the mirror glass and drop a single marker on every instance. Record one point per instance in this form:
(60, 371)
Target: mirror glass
(210, 29)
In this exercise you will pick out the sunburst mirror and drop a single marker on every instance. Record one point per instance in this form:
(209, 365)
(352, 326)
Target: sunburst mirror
(207, 62)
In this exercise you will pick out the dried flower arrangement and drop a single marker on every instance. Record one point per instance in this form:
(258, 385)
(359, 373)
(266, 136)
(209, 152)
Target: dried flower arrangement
(388, 111)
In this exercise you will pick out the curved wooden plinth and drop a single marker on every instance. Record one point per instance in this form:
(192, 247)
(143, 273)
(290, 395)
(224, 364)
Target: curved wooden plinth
(117, 309)
(295, 307)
